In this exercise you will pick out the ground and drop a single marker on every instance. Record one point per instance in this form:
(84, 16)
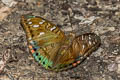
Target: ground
(79, 16)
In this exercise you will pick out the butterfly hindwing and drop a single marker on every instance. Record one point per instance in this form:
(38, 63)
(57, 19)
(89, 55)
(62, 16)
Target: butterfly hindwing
(81, 47)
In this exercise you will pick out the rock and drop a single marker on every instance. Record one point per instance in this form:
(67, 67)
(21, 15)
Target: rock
(112, 67)
(9, 3)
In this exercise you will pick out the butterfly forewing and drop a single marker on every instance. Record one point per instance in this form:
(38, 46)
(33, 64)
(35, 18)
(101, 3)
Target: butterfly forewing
(44, 39)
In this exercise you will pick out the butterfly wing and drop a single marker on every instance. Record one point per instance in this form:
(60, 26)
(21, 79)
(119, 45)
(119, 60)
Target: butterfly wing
(44, 39)
(80, 48)
(51, 48)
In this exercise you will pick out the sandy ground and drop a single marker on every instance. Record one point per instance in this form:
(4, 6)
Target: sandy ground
(80, 16)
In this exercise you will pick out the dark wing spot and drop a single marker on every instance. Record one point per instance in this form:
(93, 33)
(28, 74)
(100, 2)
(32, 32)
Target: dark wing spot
(34, 49)
(32, 35)
(49, 66)
(40, 58)
(43, 62)
(36, 54)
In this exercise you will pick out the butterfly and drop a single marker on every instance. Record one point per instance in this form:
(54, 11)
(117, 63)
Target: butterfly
(53, 49)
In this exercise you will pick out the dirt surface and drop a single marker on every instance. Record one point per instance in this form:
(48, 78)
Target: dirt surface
(80, 16)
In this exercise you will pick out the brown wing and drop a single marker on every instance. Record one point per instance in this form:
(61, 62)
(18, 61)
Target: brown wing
(80, 48)
(41, 30)
(46, 35)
